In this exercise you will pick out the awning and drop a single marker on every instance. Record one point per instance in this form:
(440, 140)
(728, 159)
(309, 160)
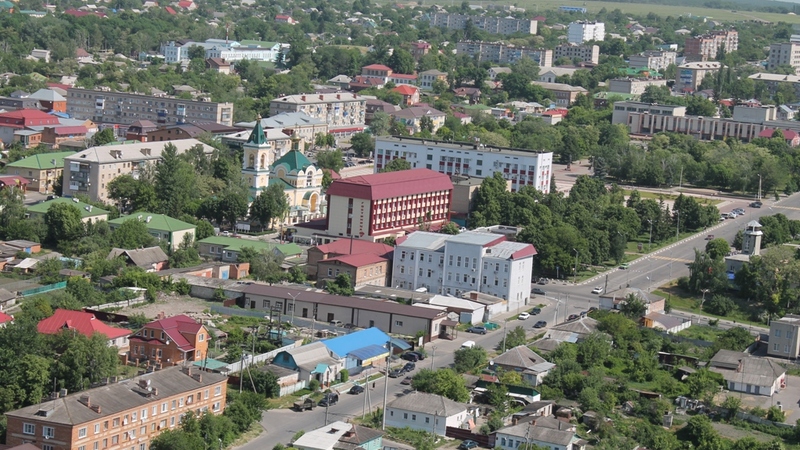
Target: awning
(399, 343)
(449, 323)
(321, 368)
(369, 354)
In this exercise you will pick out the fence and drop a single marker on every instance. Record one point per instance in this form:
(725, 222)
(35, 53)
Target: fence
(292, 388)
(237, 311)
(123, 303)
(43, 289)
(481, 439)
(237, 366)
(755, 419)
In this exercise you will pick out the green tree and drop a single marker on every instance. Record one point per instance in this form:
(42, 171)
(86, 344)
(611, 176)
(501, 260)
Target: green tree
(444, 382)
(332, 160)
(717, 248)
(265, 383)
(720, 305)
(634, 307)
(174, 182)
(451, 228)
(515, 338)
(326, 140)
(271, 204)
(63, 222)
(401, 61)
(264, 266)
(204, 229)
(593, 350)
(469, 359)
(132, 233)
(396, 165)
(362, 144)
(177, 440)
(342, 285)
(104, 137)
(186, 255)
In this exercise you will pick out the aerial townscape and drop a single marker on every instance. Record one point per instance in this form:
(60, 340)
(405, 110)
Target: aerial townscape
(355, 225)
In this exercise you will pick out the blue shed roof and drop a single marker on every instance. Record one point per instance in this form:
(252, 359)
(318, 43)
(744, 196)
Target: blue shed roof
(343, 345)
(368, 352)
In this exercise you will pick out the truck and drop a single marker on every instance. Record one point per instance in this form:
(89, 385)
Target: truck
(306, 404)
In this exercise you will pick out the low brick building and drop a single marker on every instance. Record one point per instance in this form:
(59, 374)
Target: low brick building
(170, 341)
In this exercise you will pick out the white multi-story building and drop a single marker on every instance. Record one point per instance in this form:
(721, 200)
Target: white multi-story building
(471, 261)
(784, 54)
(489, 24)
(585, 31)
(586, 53)
(343, 112)
(521, 167)
(653, 59)
(177, 51)
(498, 52)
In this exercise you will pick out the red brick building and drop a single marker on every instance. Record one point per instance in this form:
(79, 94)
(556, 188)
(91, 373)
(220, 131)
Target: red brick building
(169, 341)
(84, 323)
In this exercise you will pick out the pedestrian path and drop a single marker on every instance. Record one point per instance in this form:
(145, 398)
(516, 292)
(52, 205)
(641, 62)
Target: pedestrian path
(667, 258)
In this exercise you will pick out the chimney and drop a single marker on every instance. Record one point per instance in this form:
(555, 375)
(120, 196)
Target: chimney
(155, 392)
(189, 371)
(97, 409)
(473, 295)
(338, 96)
(321, 97)
(85, 400)
(198, 377)
(740, 367)
(303, 98)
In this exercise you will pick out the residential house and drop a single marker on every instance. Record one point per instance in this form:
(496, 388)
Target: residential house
(573, 331)
(615, 299)
(312, 361)
(139, 130)
(295, 124)
(375, 106)
(501, 53)
(50, 100)
(170, 341)
(791, 137)
(40, 55)
(42, 170)
(343, 247)
(364, 269)
(6, 320)
(666, 322)
(151, 259)
(419, 49)
(429, 77)
(551, 74)
(427, 412)
(14, 182)
(56, 136)
(89, 213)
(160, 226)
(227, 249)
(340, 436)
(563, 94)
(86, 324)
(412, 118)
(521, 359)
(283, 18)
(129, 413)
(22, 120)
(410, 94)
(219, 65)
(25, 246)
(561, 438)
(340, 81)
(749, 374)
(783, 337)
(468, 311)
(360, 349)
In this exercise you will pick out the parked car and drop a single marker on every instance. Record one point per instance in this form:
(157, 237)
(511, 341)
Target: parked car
(476, 330)
(597, 290)
(409, 367)
(356, 389)
(336, 323)
(709, 237)
(329, 399)
(739, 211)
(572, 317)
(468, 344)
(349, 326)
(538, 291)
(420, 355)
(468, 445)
(406, 381)
(523, 316)
(584, 313)
(395, 373)
(535, 311)
(624, 266)
(540, 324)
(543, 281)
(410, 356)
(593, 308)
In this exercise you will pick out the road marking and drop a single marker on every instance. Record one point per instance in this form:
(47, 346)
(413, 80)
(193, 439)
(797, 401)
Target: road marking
(787, 207)
(667, 258)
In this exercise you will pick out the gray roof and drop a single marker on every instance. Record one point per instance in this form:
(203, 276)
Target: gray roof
(47, 95)
(143, 257)
(283, 120)
(424, 403)
(308, 356)
(665, 320)
(115, 398)
(133, 152)
(278, 371)
(754, 370)
(520, 356)
(475, 237)
(539, 433)
(506, 249)
(424, 239)
(582, 326)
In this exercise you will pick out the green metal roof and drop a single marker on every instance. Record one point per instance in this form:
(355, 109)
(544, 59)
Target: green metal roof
(42, 208)
(279, 181)
(257, 136)
(237, 244)
(211, 364)
(158, 222)
(636, 71)
(42, 161)
(262, 44)
(294, 160)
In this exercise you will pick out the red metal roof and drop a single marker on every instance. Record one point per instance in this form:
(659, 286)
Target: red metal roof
(392, 184)
(174, 327)
(787, 134)
(405, 89)
(69, 130)
(5, 318)
(343, 246)
(529, 250)
(170, 10)
(7, 180)
(376, 67)
(361, 260)
(82, 322)
(28, 117)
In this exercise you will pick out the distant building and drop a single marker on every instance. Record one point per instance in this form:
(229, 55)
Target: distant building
(89, 213)
(411, 118)
(43, 169)
(489, 24)
(652, 59)
(586, 53)
(427, 412)
(565, 94)
(784, 337)
(691, 74)
(170, 341)
(707, 46)
(784, 54)
(342, 112)
(635, 86)
(500, 53)
(583, 31)
(227, 248)
(160, 226)
(429, 77)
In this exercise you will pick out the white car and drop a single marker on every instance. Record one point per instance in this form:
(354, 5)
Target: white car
(597, 290)
(523, 316)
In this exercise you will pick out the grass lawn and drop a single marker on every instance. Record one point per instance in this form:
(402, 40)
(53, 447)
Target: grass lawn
(659, 196)
(702, 332)
(681, 301)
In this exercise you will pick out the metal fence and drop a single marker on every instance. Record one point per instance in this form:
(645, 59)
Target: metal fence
(43, 289)
(237, 311)
(237, 366)
(292, 388)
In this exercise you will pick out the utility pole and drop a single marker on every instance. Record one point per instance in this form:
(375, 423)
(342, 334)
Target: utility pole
(650, 239)
(294, 304)
(575, 277)
(678, 226)
(241, 372)
(505, 333)
(433, 357)
(366, 393)
(386, 387)
(759, 187)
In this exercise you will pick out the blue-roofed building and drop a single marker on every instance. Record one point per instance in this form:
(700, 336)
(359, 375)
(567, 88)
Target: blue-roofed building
(360, 349)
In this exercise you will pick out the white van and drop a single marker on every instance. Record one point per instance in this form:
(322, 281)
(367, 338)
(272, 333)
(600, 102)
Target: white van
(468, 344)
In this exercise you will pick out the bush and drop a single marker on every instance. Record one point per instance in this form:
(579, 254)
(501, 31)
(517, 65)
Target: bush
(182, 287)
(720, 305)
(758, 412)
(776, 414)
(345, 375)
(313, 385)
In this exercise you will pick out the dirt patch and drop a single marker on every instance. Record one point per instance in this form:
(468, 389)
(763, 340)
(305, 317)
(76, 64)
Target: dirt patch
(731, 432)
(170, 305)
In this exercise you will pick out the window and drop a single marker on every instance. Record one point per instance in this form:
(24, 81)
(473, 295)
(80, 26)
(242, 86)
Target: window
(96, 428)
(413, 417)
(777, 333)
(48, 432)
(215, 408)
(217, 391)
(398, 323)
(134, 416)
(144, 414)
(430, 157)
(96, 446)
(458, 262)
(82, 433)
(115, 422)
(202, 337)
(205, 394)
(405, 416)
(114, 440)
(164, 407)
(28, 428)
(174, 403)
(786, 349)
(47, 447)
(776, 347)
(427, 420)
(788, 334)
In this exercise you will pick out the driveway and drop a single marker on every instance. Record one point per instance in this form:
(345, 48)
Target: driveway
(788, 398)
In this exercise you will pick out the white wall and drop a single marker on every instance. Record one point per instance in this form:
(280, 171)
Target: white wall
(418, 421)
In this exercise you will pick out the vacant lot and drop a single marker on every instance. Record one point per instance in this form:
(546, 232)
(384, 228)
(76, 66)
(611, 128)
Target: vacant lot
(170, 305)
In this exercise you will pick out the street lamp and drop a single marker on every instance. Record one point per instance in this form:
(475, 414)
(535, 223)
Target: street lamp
(678, 225)
(294, 303)
(704, 291)
(650, 239)
(759, 187)
(575, 277)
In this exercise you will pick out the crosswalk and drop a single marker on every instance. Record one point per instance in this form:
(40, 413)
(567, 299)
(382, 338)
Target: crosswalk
(793, 208)
(667, 258)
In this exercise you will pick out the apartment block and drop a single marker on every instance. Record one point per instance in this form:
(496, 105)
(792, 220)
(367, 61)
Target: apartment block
(489, 24)
(784, 54)
(584, 31)
(706, 46)
(783, 337)
(634, 86)
(106, 106)
(125, 414)
(470, 261)
(564, 94)
(656, 60)
(498, 52)
(521, 167)
(429, 77)
(342, 112)
(229, 50)
(89, 172)
(691, 74)
(586, 53)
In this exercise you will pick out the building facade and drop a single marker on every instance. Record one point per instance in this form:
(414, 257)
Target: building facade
(43, 170)
(470, 261)
(160, 226)
(489, 24)
(302, 183)
(170, 341)
(586, 53)
(783, 337)
(429, 77)
(635, 86)
(388, 204)
(126, 108)
(652, 59)
(707, 46)
(784, 54)
(584, 31)
(126, 414)
(427, 412)
(691, 74)
(522, 167)
(342, 112)
(89, 172)
(563, 94)
(500, 53)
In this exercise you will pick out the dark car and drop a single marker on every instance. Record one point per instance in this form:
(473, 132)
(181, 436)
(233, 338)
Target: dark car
(420, 355)
(536, 311)
(329, 399)
(593, 308)
(468, 445)
(409, 367)
(572, 317)
(410, 356)
(356, 389)
(406, 381)
(395, 373)
(538, 291)
(540, 324)
(756, 205)
(477, 330)
(584, 313)
(349, 326)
